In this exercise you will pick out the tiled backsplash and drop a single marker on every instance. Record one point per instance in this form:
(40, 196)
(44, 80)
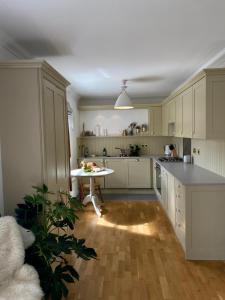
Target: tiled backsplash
(95, 146)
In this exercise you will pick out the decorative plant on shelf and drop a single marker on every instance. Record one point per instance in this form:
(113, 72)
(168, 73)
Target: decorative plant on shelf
(51, 222)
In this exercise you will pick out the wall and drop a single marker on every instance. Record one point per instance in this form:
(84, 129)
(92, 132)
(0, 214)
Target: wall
(155, 145)
(212, 155)
(114, 121)
(72, 98)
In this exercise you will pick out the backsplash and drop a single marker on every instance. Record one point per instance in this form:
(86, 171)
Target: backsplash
(95, 145)
(211, 155)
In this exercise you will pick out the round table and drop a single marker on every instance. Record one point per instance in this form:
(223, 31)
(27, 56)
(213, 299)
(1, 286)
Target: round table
(92, 197)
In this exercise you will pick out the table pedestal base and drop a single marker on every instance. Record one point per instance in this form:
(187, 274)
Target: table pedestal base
(93, 198)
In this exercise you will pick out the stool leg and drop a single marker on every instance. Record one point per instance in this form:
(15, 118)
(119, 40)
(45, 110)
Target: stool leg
(100, 194)
(81, 190)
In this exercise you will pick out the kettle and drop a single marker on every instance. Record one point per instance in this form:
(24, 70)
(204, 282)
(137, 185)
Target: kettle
(167, 151)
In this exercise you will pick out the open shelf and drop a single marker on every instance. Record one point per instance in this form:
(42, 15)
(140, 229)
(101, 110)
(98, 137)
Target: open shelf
(113, 136)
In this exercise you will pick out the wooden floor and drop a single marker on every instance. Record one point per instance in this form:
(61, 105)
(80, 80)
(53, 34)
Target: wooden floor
(139, 258)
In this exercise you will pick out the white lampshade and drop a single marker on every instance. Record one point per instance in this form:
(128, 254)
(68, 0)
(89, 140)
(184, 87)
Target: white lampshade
(123, 101)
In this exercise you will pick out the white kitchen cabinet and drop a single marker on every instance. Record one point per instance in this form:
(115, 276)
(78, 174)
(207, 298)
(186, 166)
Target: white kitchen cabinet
(119, 179)
(199, 109)
(179, 116)
(33, 129)
(180, 212)
(199, 106)
(197, 215)
(164, 188)
(187, 97)
(171, 111)
(139, 175)
(168, 194)
(165, 128)
(155, 121)
(171, 205)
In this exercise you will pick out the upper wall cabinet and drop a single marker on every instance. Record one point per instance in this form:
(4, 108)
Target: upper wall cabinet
(155, 121)
(165, 114)
(178, 116)
(171, 111)
(200, 107)
(186, 97)
(33, 129)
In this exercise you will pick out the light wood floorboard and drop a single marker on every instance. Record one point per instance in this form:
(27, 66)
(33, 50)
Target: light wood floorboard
(139, 258)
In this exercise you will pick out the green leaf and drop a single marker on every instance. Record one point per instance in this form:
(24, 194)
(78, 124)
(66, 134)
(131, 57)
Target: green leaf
(67, 278)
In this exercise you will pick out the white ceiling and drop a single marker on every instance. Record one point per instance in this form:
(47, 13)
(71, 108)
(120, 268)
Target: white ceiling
(97, 43)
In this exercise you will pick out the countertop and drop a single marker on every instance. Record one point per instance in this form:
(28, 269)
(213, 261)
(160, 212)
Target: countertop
(120, 157)
(189, 174)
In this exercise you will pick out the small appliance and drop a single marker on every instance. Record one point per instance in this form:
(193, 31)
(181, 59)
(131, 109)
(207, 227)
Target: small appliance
(187, 159)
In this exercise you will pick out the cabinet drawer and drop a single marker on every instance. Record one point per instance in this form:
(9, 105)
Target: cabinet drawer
(180, 232)
(180, 219)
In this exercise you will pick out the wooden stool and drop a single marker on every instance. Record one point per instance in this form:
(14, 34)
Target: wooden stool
(86, 186)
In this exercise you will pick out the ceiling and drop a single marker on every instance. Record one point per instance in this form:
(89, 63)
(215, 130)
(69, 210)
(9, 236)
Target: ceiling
(97, 43)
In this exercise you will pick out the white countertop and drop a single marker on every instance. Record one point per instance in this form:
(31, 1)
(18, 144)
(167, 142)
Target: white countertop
(189, 174)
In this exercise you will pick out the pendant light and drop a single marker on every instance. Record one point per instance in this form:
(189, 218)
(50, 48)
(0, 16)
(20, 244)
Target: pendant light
(123, 101)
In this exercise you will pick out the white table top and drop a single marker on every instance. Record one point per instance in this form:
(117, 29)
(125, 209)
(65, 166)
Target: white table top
(82, 173)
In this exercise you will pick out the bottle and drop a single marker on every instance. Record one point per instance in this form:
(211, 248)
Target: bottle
(104, 152)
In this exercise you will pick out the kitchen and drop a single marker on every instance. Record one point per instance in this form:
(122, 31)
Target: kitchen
(143, 102)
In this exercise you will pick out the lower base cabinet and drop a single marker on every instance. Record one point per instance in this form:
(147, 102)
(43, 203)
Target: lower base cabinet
(119, 179)
(139, 173)
(129, 173)
(197, 216)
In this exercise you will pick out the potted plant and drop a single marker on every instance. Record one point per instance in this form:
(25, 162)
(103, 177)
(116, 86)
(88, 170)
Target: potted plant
(51, 223)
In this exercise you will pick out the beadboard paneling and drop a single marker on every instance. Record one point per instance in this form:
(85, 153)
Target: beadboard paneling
(155, 145)
(212, 155)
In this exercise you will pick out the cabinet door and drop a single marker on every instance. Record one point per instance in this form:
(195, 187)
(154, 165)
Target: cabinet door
(199, 109)
(119, 179)
(171, 111)
(164, 188)
(180, 212)
(155, 118)
(49, 136)
(165, 120)
(171, 199)
(179, 116)
(56, 138)
(139, 173)
(187, 99)
(61, 139)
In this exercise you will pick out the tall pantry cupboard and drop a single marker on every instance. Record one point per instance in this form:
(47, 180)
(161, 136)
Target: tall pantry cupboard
(33, 129)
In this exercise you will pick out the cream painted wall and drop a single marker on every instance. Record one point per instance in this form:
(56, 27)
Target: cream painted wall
(115, 121)
(212, 155)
